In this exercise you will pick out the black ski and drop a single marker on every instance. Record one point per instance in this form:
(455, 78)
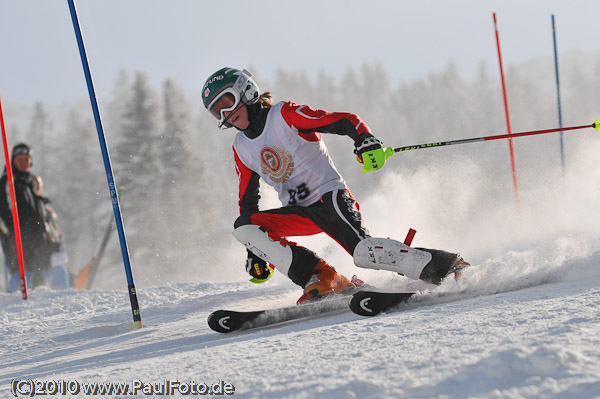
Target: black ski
(226, 321)
(371, 303)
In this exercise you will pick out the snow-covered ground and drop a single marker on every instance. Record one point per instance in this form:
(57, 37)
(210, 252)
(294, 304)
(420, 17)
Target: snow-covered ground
(524, 325)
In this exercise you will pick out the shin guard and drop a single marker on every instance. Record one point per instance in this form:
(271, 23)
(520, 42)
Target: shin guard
(387, 254)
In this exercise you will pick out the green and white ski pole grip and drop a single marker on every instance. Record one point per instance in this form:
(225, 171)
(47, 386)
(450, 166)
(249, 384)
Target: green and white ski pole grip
(375, 159)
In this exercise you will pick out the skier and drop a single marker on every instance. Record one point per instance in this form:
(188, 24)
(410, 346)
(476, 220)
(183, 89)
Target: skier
(38, 237)
(281, 144)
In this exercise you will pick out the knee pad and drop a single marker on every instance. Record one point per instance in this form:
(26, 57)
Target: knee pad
(256, 240)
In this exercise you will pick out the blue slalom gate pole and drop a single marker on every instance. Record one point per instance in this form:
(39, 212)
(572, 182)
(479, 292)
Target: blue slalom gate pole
(560, 124)
(137, 319)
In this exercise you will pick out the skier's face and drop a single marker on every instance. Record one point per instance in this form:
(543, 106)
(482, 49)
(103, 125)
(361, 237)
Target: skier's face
(22, 162)
(238, 117)
(229, 110)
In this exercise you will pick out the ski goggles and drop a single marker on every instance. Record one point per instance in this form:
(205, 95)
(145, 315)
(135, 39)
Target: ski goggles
(226, 101)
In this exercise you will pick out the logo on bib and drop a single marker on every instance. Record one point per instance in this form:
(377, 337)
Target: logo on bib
(276, 163)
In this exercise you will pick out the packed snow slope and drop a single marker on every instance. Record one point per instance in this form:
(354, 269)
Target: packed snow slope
(522, 322)
(524, 325)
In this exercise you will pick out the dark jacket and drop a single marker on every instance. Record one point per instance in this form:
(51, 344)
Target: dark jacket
(32, 214)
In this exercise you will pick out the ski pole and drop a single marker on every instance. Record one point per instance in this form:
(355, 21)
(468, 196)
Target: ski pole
(373, 162)
(137, 319)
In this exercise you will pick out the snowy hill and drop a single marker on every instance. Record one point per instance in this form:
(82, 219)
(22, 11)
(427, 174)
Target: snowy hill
(523, 325)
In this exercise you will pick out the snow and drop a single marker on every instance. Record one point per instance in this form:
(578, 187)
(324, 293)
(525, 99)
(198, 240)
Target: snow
(521, 325)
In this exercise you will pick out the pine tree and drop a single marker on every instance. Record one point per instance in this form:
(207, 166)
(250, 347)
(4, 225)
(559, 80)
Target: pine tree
(376, 107)
(294, 86)
(325, 95)
(349, 91)
(175, 138)
(39, 129)
(137, 169)
(82, 203)
(181, 180)
(119, 97)
(136, 155)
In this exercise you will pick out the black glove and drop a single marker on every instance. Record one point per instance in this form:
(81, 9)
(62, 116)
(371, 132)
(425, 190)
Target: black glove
(366, 142)
(260, 270)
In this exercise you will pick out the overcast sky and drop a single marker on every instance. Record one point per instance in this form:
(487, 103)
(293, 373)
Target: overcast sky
(187, 40)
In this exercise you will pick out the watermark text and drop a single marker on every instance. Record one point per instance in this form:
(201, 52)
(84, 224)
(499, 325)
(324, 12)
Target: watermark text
(31, 388)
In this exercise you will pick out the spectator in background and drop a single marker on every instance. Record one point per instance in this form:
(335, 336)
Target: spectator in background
(40, 236)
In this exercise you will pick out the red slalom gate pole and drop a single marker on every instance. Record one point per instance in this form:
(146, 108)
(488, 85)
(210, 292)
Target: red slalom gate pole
(13, 200)
(510, 143)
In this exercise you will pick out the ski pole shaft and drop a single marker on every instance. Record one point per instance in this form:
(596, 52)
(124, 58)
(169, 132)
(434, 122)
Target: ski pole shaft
(595, 125)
